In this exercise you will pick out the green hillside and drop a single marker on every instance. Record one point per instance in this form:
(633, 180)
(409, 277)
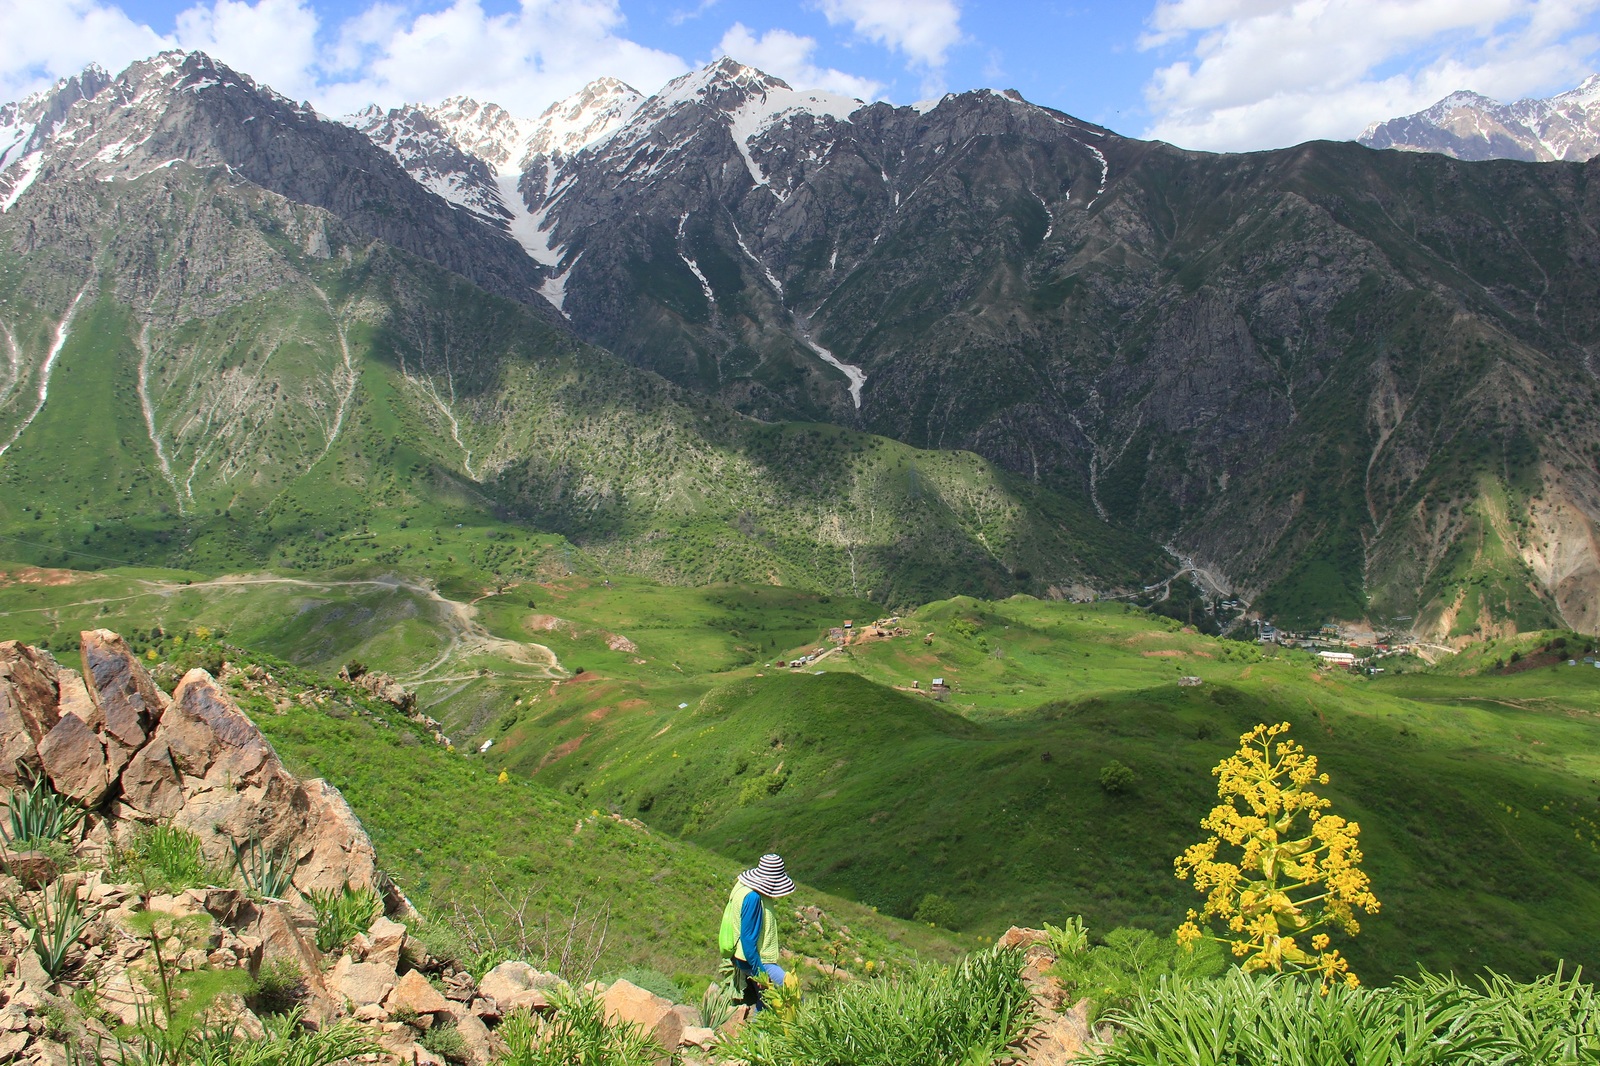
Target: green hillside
(342, 408)
(1475, 781)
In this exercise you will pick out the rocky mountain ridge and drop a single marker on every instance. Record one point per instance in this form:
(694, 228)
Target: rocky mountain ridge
(1171, 339)
(1469, 125)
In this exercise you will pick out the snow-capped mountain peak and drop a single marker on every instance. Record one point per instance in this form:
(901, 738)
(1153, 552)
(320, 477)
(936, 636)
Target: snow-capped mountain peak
(1469, 125)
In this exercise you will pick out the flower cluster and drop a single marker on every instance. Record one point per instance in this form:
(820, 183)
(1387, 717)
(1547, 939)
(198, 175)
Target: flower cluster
(1289, 868)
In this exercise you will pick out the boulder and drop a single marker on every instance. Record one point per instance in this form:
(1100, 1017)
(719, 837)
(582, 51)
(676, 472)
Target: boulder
(505, 981)
(413, 993)
(625, 1001)
(271, 928)
(28, 708)
(476, 1034)
(1018, 937)
(128, 701)
(334, 848)
(385, 941)
(32, 869)
(1058, 1039)
(151, 785)
(74, 759)
(699, 1036)
(361, 983)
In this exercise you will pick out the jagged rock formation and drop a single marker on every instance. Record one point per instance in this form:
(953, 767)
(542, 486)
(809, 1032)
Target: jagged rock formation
(138, 757)
(1468, 125)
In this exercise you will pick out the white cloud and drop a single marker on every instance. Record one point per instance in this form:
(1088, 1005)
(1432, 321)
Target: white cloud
(788, 56)
(273, 41)
(923, 31)
(46, 41)
(388, 52)
(523, 59)
(1266, 73)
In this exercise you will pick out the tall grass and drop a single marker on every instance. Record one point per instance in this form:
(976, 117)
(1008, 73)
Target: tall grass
(53, 928)
(1435, 1021)
(966, 1015)
(578, 1035)
(342, 913)
(38, 815)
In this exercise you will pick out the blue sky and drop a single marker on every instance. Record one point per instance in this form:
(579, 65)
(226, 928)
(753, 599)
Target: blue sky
(1212, 74)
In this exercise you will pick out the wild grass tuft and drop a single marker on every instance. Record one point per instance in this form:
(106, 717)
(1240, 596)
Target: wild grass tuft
(53, 927)
(342, 913)
(966, 1014)
(578, 1035)
(39, 815)
(266, 874)
(167, 858)
(1131, 965)
(1241, 1020)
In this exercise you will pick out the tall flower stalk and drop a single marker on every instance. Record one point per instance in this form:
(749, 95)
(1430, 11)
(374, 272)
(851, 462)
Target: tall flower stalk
(1288, 872)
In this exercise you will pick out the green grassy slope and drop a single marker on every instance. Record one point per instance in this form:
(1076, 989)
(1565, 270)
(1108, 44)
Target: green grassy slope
(330, 411)
(1475, 783)
(1477, 795)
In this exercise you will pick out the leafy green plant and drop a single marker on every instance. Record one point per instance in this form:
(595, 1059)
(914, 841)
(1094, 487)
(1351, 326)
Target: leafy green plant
(1069, 940)
(278, 988)
(167, 858)
(1116, 778)
(578, 1035)
(38, 815)
(716, 1004)
(446, 1041)
(286, 1043)
(176, 1022)
(53, 927)
(1132, 964)
(342, 913)
(266, 874)
(934, 909)
(966, 1015)
(1242, 1020)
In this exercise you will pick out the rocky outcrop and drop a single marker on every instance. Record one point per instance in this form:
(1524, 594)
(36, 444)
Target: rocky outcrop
(134, 755)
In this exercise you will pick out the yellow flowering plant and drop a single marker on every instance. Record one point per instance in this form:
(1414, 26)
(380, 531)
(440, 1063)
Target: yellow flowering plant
(1290, 870)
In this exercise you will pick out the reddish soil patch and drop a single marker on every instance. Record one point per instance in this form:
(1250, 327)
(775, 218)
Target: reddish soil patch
(561, 751)
(544, 623)
(628, 705)
(33, 575)
(1169, 653)
(599, 714)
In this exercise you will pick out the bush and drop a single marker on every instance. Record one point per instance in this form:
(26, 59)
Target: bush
(965, 1014)
(1132, 964)
(1242, 1020)
(446, 1041)
(936, 910)
(167, 858)
(1116, 778)
(38, 815)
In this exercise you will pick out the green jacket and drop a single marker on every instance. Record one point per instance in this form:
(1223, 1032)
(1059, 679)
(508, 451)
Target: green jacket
(733, 934)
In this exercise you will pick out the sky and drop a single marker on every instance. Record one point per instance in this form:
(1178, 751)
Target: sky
(1218, 75)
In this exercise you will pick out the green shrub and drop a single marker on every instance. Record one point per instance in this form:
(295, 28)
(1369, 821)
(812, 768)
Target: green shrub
(934, 909)
(446, 1041)
(578, 1035)
(166, 858)
(716, 1004)
(1132, 964)
(342, 913)
(279, 988)
(1242, 1020)
(963, 1014)
(1116, 778)
(38, 815)
(266, 874)
(651, 981)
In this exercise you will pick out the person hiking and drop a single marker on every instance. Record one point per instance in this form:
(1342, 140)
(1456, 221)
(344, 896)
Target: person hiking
(749, 935)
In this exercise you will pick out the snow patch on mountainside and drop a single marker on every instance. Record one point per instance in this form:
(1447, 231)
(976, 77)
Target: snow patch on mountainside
(1469, 125)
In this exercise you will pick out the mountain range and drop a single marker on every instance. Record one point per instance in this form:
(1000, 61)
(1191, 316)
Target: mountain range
(965, 345)
(1468, 125)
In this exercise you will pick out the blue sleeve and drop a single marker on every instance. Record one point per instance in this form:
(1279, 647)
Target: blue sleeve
(750, 930)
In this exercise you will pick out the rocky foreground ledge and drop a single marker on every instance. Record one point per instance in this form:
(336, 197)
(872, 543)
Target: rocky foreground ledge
(134, 756)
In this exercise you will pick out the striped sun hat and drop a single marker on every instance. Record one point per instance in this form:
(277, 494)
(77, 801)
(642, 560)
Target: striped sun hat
(769, 878)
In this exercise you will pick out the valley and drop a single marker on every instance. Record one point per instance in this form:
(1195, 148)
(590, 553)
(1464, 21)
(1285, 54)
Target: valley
(1475, 787)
